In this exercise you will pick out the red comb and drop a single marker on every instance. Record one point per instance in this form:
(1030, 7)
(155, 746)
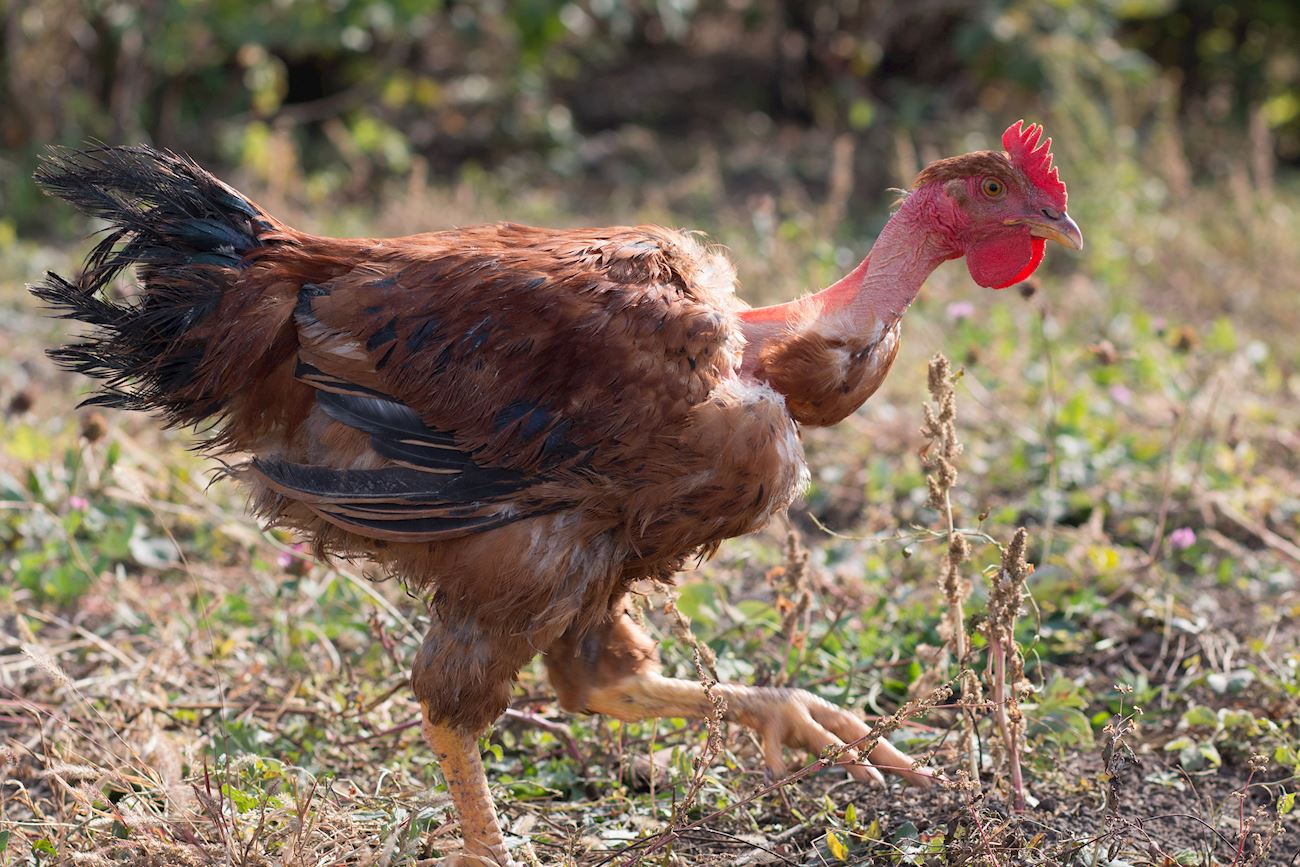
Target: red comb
(1022, 144)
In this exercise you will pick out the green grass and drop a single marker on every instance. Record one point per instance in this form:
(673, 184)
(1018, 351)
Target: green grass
(177, 686)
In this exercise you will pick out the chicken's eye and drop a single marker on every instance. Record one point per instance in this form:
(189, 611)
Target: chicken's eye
(993, 188)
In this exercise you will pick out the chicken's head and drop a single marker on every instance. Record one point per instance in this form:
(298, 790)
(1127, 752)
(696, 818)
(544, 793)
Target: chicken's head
(1000, 208)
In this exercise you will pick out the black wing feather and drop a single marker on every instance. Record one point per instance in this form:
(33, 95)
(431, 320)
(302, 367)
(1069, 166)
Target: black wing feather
(437, 491)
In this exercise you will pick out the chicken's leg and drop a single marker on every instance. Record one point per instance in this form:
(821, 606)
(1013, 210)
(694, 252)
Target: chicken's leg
(461, 677)
(614, 670)
(782, 718)
(458, 756)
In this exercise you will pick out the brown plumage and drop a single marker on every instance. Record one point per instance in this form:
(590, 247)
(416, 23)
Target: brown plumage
(520, 421)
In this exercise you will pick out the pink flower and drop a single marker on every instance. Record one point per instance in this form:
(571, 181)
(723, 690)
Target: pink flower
(959, 310)
(292, 560)
(81, 504)
(1182, 538)
(1121, 395)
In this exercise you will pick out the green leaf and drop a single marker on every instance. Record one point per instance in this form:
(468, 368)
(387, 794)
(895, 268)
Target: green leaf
(243, 801)
(1231, 682)
(1066, 726)
(528, 790)
(1193, 755)
(1201, 716)
(836, 846)
(1285, 804)
(1211, 754)
(1239, 721)
(861, 114)
(1222, 338)
(698, 602)
(72, 522)
(1061, 691)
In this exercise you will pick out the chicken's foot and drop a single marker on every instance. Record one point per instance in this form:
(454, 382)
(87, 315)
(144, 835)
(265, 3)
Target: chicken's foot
(458, 756)
(781, 717)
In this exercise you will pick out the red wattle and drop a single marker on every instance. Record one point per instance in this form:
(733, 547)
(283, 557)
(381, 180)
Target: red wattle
(1005, 261)
(1035, 259)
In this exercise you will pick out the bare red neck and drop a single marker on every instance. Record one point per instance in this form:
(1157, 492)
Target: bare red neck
(875, 293)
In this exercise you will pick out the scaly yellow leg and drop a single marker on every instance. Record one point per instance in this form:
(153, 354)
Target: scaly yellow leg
(457, 753)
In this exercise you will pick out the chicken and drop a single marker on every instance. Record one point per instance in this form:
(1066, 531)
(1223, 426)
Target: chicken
(520, 422)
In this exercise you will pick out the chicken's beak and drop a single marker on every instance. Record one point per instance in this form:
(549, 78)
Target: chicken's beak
(1054, 226)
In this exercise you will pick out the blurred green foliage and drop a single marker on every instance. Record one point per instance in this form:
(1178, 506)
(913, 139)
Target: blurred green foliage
(603, 92)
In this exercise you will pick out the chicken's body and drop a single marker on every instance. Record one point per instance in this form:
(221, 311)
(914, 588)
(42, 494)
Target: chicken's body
(524, 421)
(586, 380)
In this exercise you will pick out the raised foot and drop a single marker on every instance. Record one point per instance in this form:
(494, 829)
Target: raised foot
(798, 719)
(781, 717)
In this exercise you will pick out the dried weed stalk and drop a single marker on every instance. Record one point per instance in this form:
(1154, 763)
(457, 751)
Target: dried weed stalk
(1006, 664)
(706, 673)
(793, 600)
(1259, 829)
(940, 429)
(1121, 765)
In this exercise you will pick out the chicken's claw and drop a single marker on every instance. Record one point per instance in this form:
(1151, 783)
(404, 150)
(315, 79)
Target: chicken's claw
(798, 719)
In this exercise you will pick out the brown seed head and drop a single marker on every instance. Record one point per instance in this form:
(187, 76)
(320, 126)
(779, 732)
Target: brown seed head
(21, 402)
(93, 426)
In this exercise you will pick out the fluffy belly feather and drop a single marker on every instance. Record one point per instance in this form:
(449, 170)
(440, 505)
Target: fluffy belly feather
(737, 461)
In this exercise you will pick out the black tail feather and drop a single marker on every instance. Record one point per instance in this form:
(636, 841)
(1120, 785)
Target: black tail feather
(188, 233)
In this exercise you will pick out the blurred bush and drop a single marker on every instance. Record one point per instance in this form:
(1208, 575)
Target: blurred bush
(325, 97)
